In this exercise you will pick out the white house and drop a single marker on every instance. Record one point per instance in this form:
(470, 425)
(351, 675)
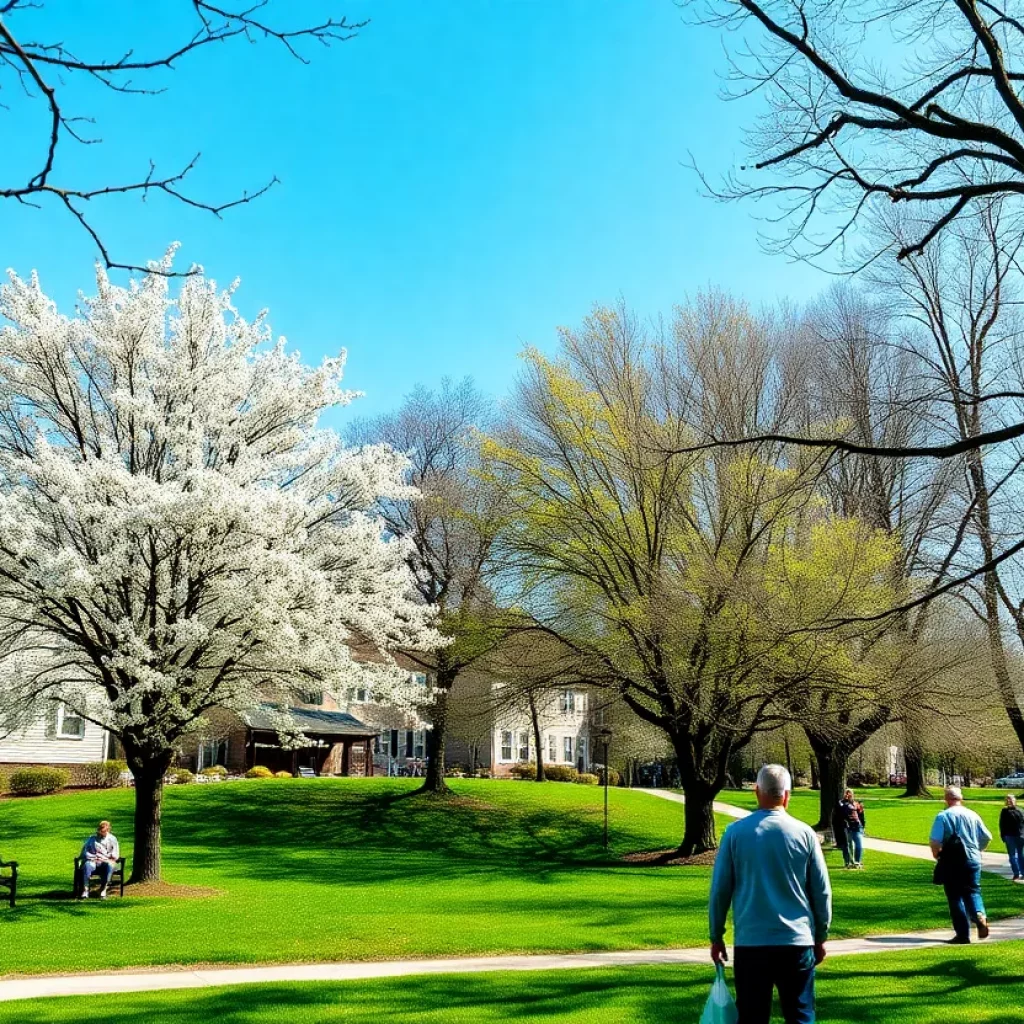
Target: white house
(565, 725)
(59, 738)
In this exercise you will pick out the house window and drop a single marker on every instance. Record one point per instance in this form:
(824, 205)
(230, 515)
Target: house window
(552, 749)
(524, 746)
(567, 701)
(418, 747)
(409, 742)
(568, 750)
(70, 726)
(419, 678)
(312, 697)
(506, 745)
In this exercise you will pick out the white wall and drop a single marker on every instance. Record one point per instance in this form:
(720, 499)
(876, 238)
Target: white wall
(33, 746)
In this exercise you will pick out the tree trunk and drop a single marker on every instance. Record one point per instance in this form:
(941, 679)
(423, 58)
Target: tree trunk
(699, 833)
(815, 777)
(434, 779)
(913, 757)
(148, 773)
(535, 723)
(832, 759)
(702, 776)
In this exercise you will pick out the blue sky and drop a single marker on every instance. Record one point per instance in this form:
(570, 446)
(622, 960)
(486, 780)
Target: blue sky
(456, 182)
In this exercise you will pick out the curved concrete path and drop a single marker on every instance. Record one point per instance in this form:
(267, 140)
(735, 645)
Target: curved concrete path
(996, 863)
(207, 977)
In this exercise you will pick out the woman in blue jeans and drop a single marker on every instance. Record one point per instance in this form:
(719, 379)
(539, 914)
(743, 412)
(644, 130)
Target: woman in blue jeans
(851, 813)
(1011, 829)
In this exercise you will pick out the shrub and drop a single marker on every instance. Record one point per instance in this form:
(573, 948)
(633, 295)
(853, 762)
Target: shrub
(586, 779)
(259, 772)
(104, 774)
(283, 775)
(523, 770)
(35, 781)
(180, 776)
(560, 773)
(613, 777)
(217, 771)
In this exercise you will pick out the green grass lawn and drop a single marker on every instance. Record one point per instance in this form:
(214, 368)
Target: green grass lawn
(890, 816)
(935, 986)
(354, 869)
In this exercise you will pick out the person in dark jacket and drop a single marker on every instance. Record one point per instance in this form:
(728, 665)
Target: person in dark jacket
(851, 811)
(1011, 830)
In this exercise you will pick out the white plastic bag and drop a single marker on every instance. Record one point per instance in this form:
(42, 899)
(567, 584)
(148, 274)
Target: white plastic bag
(720, 1008)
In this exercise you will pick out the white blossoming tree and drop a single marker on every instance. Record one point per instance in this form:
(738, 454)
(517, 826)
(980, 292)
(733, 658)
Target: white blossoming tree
(176, 533)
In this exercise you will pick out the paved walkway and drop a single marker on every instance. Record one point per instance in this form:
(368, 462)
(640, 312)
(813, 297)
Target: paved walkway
(192, 978)
(996, 863)
(103, 984)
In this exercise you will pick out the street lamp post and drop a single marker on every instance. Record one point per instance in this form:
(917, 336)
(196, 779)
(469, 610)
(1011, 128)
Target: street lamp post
(605, 735)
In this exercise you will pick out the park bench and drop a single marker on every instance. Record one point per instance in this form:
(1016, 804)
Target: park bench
(9, 881)
(307, 773)
(116, 877)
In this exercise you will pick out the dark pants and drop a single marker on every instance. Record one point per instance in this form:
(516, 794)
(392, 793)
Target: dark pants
(757, 970)
(964, 896)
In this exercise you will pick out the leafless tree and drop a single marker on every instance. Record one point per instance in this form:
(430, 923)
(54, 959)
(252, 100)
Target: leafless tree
(961, 298)
(872, 101)
(43, 68)
(451, 529)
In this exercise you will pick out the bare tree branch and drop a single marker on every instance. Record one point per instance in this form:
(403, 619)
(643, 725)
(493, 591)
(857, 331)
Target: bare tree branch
(32, 62)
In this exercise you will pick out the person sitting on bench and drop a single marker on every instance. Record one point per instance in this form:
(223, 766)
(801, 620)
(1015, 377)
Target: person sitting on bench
(99, 856)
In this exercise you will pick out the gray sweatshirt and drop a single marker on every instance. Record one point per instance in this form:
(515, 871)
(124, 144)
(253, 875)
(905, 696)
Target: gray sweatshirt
(771, 870)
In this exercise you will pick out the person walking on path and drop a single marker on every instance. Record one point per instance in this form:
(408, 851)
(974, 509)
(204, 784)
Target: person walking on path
(851, 813)
(957, 838)
(771, 871)
(1011, 830)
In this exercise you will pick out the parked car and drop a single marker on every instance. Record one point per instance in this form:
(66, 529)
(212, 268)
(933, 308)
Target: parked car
(1014, 781)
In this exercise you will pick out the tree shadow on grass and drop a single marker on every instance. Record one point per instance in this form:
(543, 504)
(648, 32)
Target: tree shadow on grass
(342, 834)
(559, 997)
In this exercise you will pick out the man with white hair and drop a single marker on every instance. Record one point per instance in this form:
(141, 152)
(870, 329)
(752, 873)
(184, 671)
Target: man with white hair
(957, 838)
(770, 869)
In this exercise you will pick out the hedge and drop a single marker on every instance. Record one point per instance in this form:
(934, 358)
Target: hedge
(586, 779)
(613, 776)
(217, 770)
(103, 774)
(283, 775)
(259, 772)
(560, 773)
(36, 781)
(180, 776)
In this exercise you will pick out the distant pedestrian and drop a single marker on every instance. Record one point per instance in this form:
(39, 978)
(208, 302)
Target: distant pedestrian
(851, 813)
(1011, 830)
(771, 871)
(957, 838)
